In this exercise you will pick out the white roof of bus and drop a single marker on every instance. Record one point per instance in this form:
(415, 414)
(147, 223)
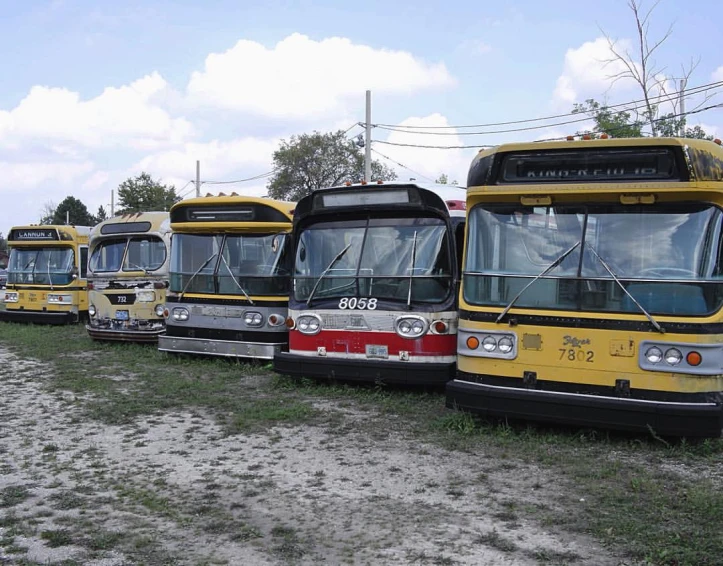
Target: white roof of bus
(445, 192)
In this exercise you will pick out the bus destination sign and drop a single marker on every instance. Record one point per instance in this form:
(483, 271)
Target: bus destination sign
(589, 166)
(33, 234)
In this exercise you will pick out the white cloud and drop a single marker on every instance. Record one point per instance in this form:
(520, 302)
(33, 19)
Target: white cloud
(588, 72)
(120, 116)
(427, 164)
(717, 74)
(303, 78)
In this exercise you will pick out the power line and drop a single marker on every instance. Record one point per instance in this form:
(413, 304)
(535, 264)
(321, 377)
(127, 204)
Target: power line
(480, 146)
(402, 165)
(182, 195)
(254, 178)
(690, 92)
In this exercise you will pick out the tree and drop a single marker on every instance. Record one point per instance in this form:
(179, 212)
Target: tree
(313, 161)
(3, 243)
(72, 211)
(47, 213)
(142, 194)
(654, 84)
(101, 215)
(443, 179)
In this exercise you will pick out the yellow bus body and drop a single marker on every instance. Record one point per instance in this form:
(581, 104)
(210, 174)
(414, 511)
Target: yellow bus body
(37, 292)
(583, 367)
(217, 318)
(127, 293)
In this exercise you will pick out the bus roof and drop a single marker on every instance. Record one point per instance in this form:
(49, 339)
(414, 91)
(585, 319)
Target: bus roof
(134, 223)
(451, 197)
(689, 159)
(232, 211)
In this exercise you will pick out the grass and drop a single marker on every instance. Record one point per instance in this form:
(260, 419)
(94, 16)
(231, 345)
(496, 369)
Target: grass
(613, 486)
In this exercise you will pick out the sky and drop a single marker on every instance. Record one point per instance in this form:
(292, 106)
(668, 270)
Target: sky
(95, 92)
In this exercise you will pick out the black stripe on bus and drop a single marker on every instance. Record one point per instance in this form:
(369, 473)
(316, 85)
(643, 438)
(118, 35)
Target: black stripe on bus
(217, 301)
(55, 288)
(594, 323)
(228, 335)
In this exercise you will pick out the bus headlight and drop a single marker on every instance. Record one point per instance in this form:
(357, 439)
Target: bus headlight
(253, 318)
(654, 355)
(673, 356)
(159, 310)
(11, 297)
(180, 314)
(308, 324)
(60, 298)
(410, 326)
(505, 344)
(145, 296)
(91, 310)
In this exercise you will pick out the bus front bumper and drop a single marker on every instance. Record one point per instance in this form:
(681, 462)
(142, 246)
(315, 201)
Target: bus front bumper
(621, 413)
(227, 348)
(39, 317)
(145, 336)
(372, 371)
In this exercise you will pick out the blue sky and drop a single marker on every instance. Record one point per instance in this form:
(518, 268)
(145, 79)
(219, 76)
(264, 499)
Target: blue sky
(95, 92)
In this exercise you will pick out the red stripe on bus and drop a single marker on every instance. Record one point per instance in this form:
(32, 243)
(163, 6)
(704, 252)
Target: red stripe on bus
(354, 342)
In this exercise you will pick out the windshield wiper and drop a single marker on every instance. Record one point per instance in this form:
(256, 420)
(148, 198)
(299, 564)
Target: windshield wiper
(50, 279)
(205, 263)
(411, 269)
(615, 278)
(323, 274)
(549, 268)
(233, 277)
(139, 268)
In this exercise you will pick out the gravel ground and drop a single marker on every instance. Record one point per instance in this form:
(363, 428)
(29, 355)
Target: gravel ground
(175, 489)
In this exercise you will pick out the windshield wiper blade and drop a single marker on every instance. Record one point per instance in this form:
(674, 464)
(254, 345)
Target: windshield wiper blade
(615, 278)
(204, 264)
(50, 279)
(233, 277)
(323, 274)
(411, 269)
(549, 268)
(139, 268)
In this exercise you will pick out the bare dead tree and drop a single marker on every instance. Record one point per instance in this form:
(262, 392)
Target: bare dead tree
(642, 68)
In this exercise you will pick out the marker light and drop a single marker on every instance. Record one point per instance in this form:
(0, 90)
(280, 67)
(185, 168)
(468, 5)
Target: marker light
(694, 358)
(473, 342)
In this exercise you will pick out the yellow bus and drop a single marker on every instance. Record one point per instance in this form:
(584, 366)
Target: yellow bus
(592, 289)
(47, 274)
(128, 277)
(229, 281)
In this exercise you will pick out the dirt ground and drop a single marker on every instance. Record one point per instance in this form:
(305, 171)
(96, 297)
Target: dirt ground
(174, 489)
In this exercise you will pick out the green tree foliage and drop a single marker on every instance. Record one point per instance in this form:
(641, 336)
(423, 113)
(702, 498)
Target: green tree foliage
(621, 124)
(72, 211)
(3, 243)
(101, 215)
(314, 161)
(47, 213)
(143, 194)
(443, 179)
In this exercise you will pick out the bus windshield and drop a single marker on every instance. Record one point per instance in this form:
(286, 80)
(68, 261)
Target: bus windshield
(44, 266)
(666, 257)
(235, 264)
(138, 253)
(383, 256)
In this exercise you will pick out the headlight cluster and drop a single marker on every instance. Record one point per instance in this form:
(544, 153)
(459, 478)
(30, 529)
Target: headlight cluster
(308, 324)
(60, 299)
(91, 310)
(11, 297)
(253, 318)
(145, 296)
(410, 326)
(180, 314)
(672, 356)
(495, 344)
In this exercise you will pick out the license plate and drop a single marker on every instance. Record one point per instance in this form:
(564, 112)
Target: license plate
(121, 315)
(374, 351)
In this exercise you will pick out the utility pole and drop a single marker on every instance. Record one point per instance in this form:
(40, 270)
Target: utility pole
(368, 140)
(112, 203)
(198, 178)
(681, 94)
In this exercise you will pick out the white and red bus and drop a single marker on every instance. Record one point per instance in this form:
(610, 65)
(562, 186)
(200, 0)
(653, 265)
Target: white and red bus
(374, 284)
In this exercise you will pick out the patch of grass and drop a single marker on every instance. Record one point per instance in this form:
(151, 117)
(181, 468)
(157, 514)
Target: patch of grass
(288, 545)
(271, 411)
(57, 537)
(14, 495)
(104, 540)
(493, 539)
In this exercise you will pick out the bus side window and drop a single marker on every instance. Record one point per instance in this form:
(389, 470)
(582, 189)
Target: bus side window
(83, 262)
(458, 247)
